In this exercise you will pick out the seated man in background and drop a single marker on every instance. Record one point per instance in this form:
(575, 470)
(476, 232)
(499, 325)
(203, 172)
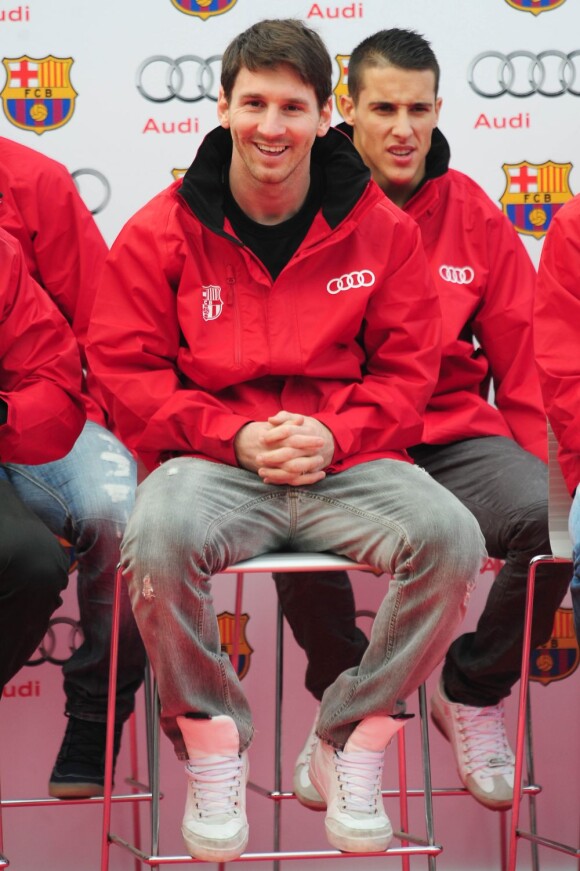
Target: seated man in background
(492, 457)
(274, 400)
(41, 415)
(86, 496)
(556, 327)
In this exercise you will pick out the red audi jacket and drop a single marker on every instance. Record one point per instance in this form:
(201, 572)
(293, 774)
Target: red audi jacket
(556, 330)
(41, 409)
(64, 250)
(486, 285)
(192, 339)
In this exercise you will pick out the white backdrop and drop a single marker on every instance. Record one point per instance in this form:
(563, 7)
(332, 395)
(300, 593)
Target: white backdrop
(132, 123)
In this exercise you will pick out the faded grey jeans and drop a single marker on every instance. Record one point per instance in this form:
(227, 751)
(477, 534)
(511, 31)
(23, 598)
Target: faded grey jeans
(192, 518)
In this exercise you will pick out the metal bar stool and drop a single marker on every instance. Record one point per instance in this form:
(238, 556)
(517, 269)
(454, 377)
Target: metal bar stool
(559, 504)
(411, 845)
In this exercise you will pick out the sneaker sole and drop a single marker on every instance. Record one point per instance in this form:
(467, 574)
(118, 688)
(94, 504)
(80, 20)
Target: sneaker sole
(313, 804)
(353, 842)
(489, 804)
(75, 790)
(227, 852)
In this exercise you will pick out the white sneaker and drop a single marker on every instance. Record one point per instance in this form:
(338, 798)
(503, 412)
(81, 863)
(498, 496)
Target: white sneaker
(301, 783)
(483, 756)
(214, 827)
(349, 781)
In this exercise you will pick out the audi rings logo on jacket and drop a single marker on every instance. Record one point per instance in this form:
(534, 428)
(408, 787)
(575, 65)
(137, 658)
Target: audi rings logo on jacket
(456, 274)
(522, 73)
(188, 78)
(364, 278)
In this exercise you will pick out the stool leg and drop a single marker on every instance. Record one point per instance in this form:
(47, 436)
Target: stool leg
(134, 756)
(237, 620)
(521, 727)
(155, 782)
(278, 730)
(403, 794)
(111, 704)
(428, 784)
(3, 860)
(531, 779)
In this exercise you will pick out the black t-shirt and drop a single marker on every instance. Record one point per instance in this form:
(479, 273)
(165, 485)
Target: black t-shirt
(274, 244)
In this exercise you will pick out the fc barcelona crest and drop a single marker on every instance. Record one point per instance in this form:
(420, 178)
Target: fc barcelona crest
(227, 625)
(204, 8)
(560, 656)
(534, 193)
(342, 84)
(38, 94)
(212, 304)
(535, 6)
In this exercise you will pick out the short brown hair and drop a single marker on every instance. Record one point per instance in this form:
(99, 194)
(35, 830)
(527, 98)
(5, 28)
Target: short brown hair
(274, 42)
(404, 49)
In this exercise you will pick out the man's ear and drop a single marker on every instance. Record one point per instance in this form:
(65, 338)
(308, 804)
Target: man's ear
(347, 107)
(325, 118)
(223, 109)
(438, 104)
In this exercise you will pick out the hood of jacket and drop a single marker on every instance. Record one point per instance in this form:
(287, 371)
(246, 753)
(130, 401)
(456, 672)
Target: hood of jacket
(344, 175)
(438, 156)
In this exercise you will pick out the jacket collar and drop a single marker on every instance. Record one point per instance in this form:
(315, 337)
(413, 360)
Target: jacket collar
(345, 177)
(438, 156)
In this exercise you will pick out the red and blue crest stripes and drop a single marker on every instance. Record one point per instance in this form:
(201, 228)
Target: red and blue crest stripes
(535, 6)
(203, 8)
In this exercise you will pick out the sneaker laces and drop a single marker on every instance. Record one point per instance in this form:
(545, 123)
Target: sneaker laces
(216, 782)
(359, 775)
(485, 744)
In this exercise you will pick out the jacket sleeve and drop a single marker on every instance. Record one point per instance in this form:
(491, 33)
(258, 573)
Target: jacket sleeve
(40, 372)
(401, 339)
(69, 250)
(503, 327)
(556, 327)
(134, 345)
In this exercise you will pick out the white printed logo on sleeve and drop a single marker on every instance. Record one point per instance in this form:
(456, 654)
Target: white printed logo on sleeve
(212, 302)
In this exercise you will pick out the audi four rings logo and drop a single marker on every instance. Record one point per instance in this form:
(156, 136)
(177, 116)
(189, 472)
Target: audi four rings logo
(364, 278)
(457, 274)
(188, 78)
(95, 189)
(522, 73)
(58, 650)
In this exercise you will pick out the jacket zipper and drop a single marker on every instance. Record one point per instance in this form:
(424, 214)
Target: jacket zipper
(233, 301)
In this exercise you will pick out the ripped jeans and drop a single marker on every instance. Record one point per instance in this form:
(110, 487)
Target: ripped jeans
(86, 498)
(192, 518)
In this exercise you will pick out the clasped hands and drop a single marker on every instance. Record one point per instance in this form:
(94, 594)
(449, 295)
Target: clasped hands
(288, 449)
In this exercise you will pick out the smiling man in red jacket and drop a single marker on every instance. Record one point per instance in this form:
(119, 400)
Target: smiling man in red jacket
(267, 335)
(41, 415)
(491, 456)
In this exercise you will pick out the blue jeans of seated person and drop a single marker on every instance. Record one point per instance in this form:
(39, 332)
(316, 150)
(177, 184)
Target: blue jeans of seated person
(574, 526)
(193, 518)
(86, 498)
(506, 489)
(33, 572)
